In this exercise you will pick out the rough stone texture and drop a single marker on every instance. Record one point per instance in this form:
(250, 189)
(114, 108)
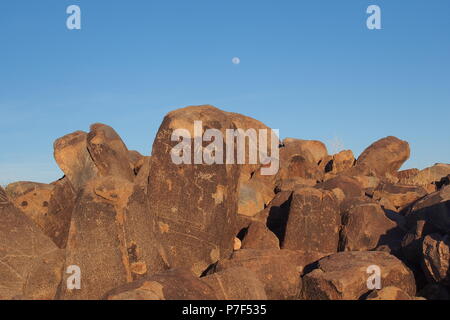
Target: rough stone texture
(389, 293)
(3, 196)
(236, 284)
(50, 206)
(430, 214)
(109, 153)
(343, 276)
(170, 285)
(72, 156)
(338, 163)
(365, 227)
(254, 195)
(312, 150)
(258, 236)
(399, 195)
(30, 263)
(300, 167)
(428, 176)
(112, 238)
(436, 258)
(196, 229)
(384, 157)
(278, 270)
(313, 222)
(349, 186)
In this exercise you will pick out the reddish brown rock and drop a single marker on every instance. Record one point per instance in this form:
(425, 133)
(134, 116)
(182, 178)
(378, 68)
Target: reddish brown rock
(300, 167)
(365, 227)
(436, 258)
(430, 214)
(254, 195)
(197, 228)
(112, 238)
(109, 153)
(311, 150)
(258, 236)
(50, 206)
(236, 284)
(349, 186)
(384, 157)
(389, 293)
(338, 163)
(30, 263)
(399, 195)
(72, 156)
(169, 285)
(428, 176)
(313, 222)
(344, 276)
(278, 270)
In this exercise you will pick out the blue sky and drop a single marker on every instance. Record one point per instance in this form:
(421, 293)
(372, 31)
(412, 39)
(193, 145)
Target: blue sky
(309, 68)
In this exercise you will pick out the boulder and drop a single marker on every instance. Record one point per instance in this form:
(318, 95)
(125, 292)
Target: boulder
(399, 195)
(196, 229)
(278, 270)
(436, 258)
(50, 206)
(430, 214)
(236, 284)
(72, 156)
(389, 293)
(109, 153)
(300, 167)
(365, 227)
(176, 284)
(313, 221)
(112, 238)
(349, 186)
(254, 195)
(258, 236)
(345, 276)
(311, 150)
(338, 163)
(30, 263)
(428, 176)
(384, 157)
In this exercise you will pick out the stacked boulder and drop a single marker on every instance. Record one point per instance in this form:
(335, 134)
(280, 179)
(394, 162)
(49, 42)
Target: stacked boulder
(146, 227)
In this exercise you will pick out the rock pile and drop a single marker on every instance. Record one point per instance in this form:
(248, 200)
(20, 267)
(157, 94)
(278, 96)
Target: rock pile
(143, 227)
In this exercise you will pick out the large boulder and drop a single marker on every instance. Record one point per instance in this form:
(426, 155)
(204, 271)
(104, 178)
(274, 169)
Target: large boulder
(365, 227)
(236, 284)
(430, 214)
(345, 275)
(427, 176)
(31, 265)
(258, 236)
(311, 150)
(195, 204)
(50, 206)
(313, 221)
(278, 270)
(399, 195)
(436, 258)
(178, 284)
(349, 186)
(384, 157)
(112, 238)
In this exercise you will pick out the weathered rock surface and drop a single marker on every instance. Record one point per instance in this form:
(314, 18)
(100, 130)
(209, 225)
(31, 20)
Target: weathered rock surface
(31, 265)
(399, 195)
(196, 229)
(313, 222)
(258, 236)
(384, 157)
(170, 285)
(278, 270)
(236, 284)
(344, 276)
(50, 206)
(389, 293)
(112, 238)
(365, 227)
(436, 258)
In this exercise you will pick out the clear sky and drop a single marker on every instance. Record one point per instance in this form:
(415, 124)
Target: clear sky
(309, 68)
